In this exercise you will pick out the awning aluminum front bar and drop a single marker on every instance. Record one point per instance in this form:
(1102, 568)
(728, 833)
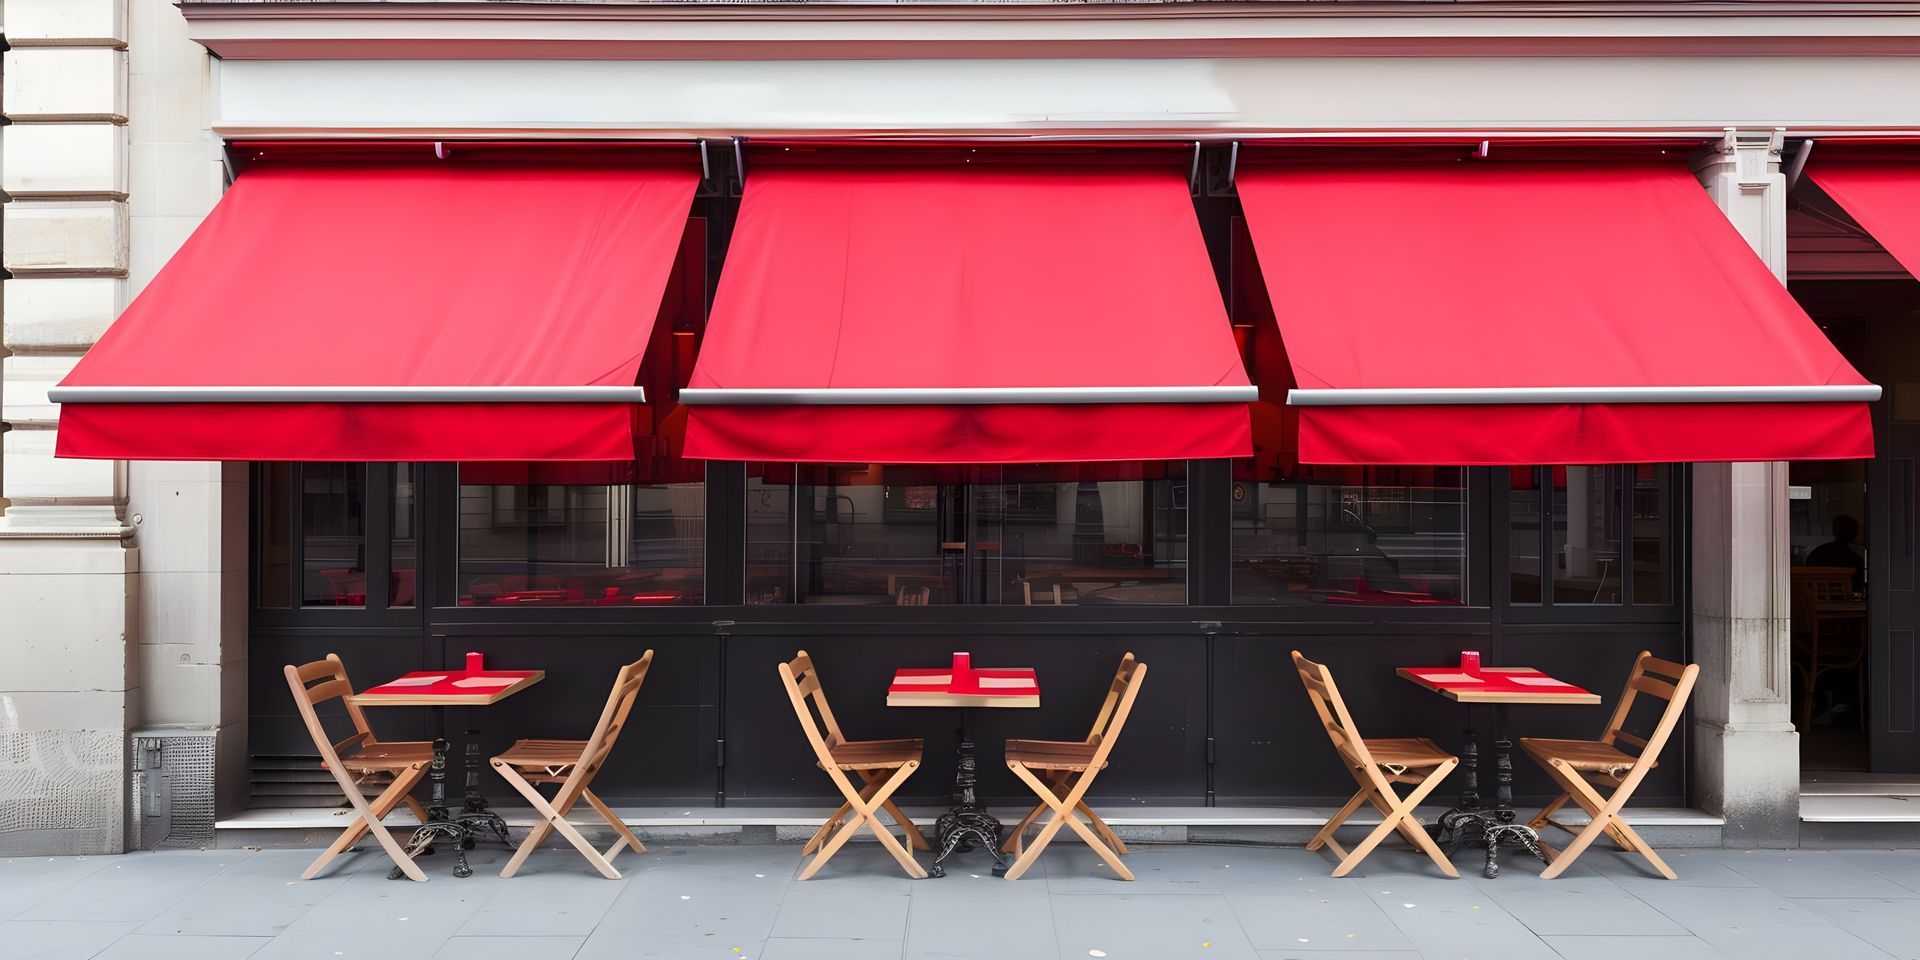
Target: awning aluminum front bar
(896, 396)
(1422, 396)
(338, 394)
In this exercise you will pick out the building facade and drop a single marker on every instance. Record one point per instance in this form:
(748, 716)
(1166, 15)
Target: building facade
(148, 605)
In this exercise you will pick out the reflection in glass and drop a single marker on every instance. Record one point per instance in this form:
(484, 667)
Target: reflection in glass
(1352, 535)
(405, 545)
(1652, 548)
(1586, 534)
(913, 535)
(333, 499)
(538, 543)
(1523, 534)
(275, 529)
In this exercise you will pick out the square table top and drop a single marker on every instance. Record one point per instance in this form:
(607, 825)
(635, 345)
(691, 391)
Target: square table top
(1498, 685)
(994, 687)
(449, 688)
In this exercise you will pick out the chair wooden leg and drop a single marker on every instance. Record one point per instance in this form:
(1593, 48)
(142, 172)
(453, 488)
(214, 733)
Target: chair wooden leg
(1100, 826)
(865, 804)
(1013, 836)
(821, 834)
(554, 818)
(1398, 817)
(1064, 814)
(1340, 816)
(1601, 811)
(1544, 818)
(619, 826)
(368, 822)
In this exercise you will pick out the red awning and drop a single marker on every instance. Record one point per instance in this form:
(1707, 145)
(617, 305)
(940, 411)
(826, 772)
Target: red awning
(968, 313)
(1486, 313)
(475, 308)
(1883, 196)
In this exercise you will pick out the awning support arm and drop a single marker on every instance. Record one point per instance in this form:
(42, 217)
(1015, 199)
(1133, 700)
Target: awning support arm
(1799, 164)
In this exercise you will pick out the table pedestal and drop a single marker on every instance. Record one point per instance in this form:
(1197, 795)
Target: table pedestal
(967, 823)
(474, 819)
(1472, 824)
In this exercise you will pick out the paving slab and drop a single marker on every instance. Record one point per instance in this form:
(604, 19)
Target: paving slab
(510, 948)
(829, 948)
(26, 881)
(1454, 920)
(1638, 948)
(140, 946)
(1575, 906)
(1149, 927)
(257, 897)
(1900, 866)
(966, 915)
(135, 888)
(1805, 874)
(1322, 914)
(1891, 925)
(1756, 924)
(59, 939)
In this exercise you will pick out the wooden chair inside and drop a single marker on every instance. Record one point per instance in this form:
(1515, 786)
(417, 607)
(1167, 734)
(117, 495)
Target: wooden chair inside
(358, 762)
(1059, 773)
(1047, 590)
(1583, 768)
(573, 764)
(912, 595)
(1829, 632)
(881, 765)
(1376, 765)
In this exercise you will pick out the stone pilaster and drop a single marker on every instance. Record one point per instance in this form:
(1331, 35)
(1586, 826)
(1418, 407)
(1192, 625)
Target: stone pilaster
(1746, 754)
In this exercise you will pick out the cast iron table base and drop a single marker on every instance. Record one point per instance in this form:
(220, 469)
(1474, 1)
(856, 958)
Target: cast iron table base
(966, 824)
(1471, 824)
(474, 820)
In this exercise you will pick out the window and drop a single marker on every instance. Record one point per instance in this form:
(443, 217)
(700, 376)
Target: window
(578, 535)
(323, 539)
(1590, 535)
(1028, 534)
(333, 530)
(1350, 535)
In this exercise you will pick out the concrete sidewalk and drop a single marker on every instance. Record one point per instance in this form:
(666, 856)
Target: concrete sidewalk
(741, 903)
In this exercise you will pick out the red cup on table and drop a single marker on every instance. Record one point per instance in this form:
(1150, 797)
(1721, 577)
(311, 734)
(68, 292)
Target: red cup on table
(1470, 662)
(475, 662)
(962, 672)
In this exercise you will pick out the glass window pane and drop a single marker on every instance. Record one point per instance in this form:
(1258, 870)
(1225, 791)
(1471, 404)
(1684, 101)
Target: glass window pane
(333, 523)
(550, 543)
(1523, 535)
(1652, 543)
(1089, 534)
(405, 546)
(1586, 535)
(1356, 535)
(770, 541)
(274, 551)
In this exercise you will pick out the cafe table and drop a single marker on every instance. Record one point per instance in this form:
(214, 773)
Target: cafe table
(438, 690)
(967, 823)
(1471, 822)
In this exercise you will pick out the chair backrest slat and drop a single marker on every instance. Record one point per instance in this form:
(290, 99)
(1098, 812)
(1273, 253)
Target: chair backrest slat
(613, 717)
(802, 680)
(1112, 701)
(1338, 723)
(1654, 677)
(1132, 674)
(307, 696)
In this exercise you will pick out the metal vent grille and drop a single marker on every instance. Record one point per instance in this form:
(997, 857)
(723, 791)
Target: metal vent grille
(172, 789)
(290, 781)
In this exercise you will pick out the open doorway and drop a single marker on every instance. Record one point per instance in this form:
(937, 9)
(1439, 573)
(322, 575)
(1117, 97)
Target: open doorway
(1856, 611)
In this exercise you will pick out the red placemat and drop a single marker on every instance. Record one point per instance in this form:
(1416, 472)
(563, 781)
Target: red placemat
(440, 683)
(986, 682)
(1495, 680)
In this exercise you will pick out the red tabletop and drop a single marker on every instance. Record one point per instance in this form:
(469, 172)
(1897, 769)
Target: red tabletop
(442, 688)
(990, 687)
(1498, 685)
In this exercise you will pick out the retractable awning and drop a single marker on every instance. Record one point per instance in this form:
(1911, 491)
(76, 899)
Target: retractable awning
(951, 311)
(1487, 313)
(1883, 195)
(490, 306)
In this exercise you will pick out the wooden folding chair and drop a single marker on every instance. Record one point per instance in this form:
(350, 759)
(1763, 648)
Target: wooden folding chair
(881, 765)
(1376, 765)
(395, 767)
(573, 764)
(1059, 773)
(1057, 779)
(1581, 765)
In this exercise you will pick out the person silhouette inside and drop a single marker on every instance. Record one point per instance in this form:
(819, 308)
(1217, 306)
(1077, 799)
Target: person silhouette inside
(1839, 551)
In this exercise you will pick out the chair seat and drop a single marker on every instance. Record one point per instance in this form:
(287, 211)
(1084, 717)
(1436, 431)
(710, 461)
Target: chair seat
(1066, 755)
(1410, 753)
(875, 754)
(1586, 756)
(542, 753)
(388, 756)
